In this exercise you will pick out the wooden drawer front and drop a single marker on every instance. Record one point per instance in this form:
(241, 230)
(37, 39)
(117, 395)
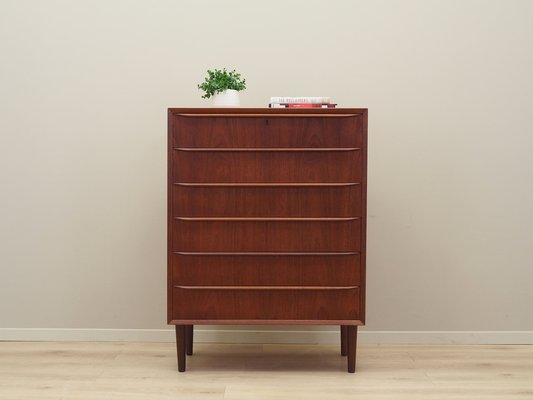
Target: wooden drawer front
(268, 304)
(269, 166)
(266, 201)
(313, 269)
(267, 131)
(228, 236)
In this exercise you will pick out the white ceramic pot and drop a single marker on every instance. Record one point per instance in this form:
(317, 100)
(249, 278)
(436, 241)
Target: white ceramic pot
(227, 98)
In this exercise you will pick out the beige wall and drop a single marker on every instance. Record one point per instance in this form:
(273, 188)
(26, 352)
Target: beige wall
(84, 87)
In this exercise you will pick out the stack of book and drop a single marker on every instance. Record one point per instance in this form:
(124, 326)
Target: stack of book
(301, 102)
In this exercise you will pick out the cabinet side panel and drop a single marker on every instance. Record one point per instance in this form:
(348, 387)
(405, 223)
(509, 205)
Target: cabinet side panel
(364, 173)
(169, 213)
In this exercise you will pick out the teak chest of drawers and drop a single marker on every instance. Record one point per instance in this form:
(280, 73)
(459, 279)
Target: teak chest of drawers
(266, 219)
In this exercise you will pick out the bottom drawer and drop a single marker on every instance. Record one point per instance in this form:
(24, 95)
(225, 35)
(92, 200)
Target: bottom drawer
(234, 303)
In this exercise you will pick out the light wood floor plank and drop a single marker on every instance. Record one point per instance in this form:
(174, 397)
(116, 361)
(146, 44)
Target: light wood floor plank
(83, 371)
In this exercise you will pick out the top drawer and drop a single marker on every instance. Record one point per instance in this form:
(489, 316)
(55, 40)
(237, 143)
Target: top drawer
(199, 131)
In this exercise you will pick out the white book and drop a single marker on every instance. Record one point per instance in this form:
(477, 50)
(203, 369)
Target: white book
(301, 100)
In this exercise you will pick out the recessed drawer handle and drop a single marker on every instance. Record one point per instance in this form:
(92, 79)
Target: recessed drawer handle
(264, 219)
(263, 253)
(261, 184)
(266, 115)
(266, 287)
(266, 149)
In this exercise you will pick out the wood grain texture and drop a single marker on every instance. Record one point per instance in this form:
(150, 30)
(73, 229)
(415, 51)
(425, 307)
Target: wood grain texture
(236, 132)
(344, 340)
(351, 338)
(266, 167)
(243, 321)
(268, 304)
(364, 162)
(181, 347)
(189, 339)
(267, 217)
(335, 201)
(262, 114)
(265, 149)
(266, 235)
(250, 270)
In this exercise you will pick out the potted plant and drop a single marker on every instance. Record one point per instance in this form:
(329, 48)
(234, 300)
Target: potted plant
(223, 86)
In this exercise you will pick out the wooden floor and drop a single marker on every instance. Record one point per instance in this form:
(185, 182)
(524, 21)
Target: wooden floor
(148, 371)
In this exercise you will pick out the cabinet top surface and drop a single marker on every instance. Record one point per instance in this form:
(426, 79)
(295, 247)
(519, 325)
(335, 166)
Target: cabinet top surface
(265, 110)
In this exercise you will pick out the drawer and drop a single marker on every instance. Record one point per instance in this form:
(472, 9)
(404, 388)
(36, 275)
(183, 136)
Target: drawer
(266, 201)
(266, 166)
(311, 269)
(191, 235)
(271, 131)
(264, 304)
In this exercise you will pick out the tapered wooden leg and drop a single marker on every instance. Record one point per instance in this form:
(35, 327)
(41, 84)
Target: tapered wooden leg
(189, 338)
(352, 347)
(180, 344)
(344, 341)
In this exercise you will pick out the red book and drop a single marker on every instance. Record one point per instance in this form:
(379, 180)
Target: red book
(301, 105)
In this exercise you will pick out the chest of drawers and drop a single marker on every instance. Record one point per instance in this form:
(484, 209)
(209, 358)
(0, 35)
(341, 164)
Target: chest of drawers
(266, 219)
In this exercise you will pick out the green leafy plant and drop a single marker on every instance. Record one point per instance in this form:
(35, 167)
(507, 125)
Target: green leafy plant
(217, 81)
